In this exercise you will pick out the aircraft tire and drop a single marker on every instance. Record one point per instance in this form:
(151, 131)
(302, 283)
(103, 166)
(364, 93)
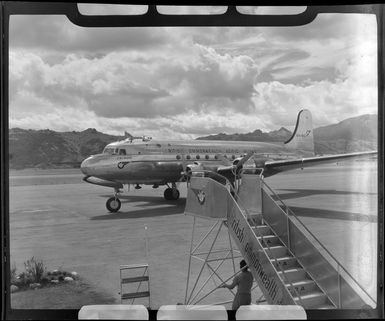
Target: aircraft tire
(113, 205)
(174, 194)
(171, 194)
(168, 194)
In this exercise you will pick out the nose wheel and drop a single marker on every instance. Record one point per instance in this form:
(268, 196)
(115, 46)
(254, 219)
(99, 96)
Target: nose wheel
(171, 194)
(113, 204)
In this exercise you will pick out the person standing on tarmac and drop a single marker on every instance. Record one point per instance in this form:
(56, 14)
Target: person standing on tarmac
(244, 281)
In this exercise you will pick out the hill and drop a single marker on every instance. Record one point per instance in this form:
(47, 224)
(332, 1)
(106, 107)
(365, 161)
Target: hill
(256, 136)
(47, 148)
(50, 149)
(350, 135)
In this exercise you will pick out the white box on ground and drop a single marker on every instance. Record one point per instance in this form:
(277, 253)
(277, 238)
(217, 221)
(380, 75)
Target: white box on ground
(192, 312)
(113, 312)
(270, 312)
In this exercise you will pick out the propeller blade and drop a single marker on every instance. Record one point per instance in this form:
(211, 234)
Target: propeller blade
(244, 160)
(225, 160)
(185, 174)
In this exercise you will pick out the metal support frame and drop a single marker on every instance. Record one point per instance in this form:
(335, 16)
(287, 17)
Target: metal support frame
(209, 255)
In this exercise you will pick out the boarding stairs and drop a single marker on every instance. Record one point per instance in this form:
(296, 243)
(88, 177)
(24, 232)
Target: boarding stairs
(289, 264)
(298, 282)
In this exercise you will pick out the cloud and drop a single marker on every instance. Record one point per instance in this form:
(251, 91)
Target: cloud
(188, 82)
(324, 28)
(135, 84)
(58, 34)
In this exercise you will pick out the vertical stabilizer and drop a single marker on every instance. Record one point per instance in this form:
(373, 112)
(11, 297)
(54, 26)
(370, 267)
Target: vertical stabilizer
(302, 138)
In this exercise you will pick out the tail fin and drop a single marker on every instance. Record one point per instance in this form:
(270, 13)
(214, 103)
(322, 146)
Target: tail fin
(127, 135)
(302, 138)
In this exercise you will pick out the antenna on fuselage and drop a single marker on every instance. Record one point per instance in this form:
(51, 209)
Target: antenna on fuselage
(130, 138)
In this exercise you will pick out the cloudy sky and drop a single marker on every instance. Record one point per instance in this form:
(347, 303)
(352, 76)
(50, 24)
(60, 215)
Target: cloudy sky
(189, 82)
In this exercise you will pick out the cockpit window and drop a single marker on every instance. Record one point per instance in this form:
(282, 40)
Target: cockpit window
(122, 152)
(110, 151)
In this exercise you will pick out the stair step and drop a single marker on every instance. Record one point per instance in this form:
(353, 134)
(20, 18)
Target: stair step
(301, 287)
(262, 230)
(134, 295)
(293, 275)
(134, 279)
(254, 219)
(312, 300)
(275, 251)
(271, 240)
(285, 262)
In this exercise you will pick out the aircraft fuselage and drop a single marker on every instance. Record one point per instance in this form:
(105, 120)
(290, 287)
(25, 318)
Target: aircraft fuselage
(160, 162)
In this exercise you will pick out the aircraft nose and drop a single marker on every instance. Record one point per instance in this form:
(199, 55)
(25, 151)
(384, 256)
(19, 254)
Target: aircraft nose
(84, 167)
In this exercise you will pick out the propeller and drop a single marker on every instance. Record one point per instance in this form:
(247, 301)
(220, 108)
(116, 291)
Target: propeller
(186, 173)
(243, 160)
(225, 170)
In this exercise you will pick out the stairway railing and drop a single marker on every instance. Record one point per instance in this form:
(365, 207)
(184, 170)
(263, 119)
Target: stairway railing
(290, 215)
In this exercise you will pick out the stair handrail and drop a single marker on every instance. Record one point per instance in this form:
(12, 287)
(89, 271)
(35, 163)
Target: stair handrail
(339, 265)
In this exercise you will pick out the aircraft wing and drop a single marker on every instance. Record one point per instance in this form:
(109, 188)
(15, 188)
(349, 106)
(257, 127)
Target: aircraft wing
(274, 167)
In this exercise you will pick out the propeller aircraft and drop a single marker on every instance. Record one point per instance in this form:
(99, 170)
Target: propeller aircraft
(143, 161)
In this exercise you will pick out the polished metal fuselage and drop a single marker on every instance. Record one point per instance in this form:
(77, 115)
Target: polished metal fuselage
(162, 162)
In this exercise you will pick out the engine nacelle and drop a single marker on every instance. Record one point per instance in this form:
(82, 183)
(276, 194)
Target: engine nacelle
(237, 160)
(194, 167)
(102, 182)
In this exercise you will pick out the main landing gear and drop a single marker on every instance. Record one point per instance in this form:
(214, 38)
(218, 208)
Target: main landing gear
(171, 194)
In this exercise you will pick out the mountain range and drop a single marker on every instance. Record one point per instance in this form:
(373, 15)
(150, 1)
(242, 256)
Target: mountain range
(51, 149)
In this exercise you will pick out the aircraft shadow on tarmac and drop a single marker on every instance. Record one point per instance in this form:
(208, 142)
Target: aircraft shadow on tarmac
(330, 214)
(297, 193)
(322, 213)
(172, 208)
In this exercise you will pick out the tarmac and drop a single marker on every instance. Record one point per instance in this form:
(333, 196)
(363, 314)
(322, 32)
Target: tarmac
(58, 218)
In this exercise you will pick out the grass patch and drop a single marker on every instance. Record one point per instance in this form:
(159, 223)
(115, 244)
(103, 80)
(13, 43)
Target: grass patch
(72, 295)
(36, 276)
(34, 270)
